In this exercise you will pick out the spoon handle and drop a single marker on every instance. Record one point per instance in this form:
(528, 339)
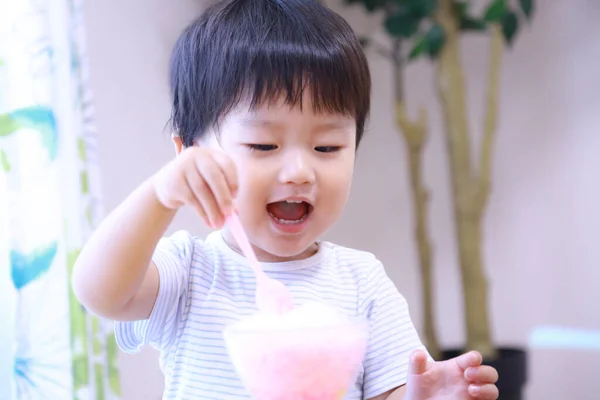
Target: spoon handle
(240, 236)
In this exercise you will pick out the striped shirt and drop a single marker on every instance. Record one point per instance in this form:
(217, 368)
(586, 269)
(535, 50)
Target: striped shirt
(205, 286)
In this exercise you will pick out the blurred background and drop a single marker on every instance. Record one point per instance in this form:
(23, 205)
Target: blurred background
(541, 247)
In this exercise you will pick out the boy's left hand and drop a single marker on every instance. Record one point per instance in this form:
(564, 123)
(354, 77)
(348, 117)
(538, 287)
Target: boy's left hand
(460, 378)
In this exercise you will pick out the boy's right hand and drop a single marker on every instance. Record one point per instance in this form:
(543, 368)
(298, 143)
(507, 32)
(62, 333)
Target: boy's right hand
(202, 178)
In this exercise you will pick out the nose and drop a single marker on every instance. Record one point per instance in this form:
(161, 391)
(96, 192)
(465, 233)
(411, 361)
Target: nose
(297, 169)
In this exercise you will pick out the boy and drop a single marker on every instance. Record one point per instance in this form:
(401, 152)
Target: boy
(270, 99)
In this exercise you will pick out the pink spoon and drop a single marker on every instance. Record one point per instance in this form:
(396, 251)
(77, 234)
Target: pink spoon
(271, 295)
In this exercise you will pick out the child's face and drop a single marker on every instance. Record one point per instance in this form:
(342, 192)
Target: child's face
(287, 153)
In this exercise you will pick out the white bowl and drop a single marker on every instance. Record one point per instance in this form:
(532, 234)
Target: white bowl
(298, 363)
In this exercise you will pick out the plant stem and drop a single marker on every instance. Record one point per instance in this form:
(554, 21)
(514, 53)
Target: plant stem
(465, 188)
(491, 117)
(414, 133)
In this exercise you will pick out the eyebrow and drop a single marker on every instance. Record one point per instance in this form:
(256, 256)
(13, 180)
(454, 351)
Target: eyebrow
(257, 122)
(322, 127)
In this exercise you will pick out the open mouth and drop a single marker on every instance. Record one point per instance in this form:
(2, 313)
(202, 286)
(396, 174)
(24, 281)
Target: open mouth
(289, 211)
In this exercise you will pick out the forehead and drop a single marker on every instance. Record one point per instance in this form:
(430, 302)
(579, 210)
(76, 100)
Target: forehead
(278, 111)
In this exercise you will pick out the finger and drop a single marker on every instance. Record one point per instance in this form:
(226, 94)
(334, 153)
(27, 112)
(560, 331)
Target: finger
(229, 176)
(470, 359)
(203, 197)
(229, 169)
(216, 181)
(194, 194)
(485, 391)
(481, 374)
(193, 202)
(418, 362)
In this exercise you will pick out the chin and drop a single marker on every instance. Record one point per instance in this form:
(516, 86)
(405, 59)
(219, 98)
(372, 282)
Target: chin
(288, 249)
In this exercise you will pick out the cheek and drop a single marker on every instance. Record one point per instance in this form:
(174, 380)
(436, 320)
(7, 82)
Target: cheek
(251, 170)
(337, 179)
(254, 182)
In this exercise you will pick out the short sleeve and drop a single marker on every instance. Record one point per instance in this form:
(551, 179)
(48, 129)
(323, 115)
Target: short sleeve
(393, 335)
(173, 258)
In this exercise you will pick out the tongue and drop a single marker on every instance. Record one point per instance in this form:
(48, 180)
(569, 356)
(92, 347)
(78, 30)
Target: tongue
(288, 211)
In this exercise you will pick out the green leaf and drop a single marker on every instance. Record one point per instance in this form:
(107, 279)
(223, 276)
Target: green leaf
(527, 7)
(401, 24)
(495, 11)
(510, 25)
(4, 163)
(81, 149)
(468, 23)
(436, 37)
(99, 381)
(84, 182)
(370, 5)
(460, 8)
(8, 125)
(373, 5)
(419, 8)
(112, 354)
(419, 47)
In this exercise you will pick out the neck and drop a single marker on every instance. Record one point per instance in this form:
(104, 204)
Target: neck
(265, 256)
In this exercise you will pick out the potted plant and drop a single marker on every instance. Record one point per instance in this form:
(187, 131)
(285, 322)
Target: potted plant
(433, 28)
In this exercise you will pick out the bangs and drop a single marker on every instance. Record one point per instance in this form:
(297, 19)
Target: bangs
(269, 72)
(264, 51)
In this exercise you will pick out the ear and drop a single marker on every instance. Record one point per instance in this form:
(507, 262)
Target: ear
(177, 143)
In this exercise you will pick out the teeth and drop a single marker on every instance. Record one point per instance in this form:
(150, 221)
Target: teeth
(288, 222)
(294, 201)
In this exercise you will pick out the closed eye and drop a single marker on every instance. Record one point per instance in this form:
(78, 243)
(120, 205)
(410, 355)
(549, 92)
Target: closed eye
(328, 149)
(262, 147)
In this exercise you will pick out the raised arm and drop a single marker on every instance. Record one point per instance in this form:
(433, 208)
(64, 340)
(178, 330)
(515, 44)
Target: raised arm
(114, 276)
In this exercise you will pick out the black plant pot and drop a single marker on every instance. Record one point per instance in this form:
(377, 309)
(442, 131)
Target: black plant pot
(511, 365)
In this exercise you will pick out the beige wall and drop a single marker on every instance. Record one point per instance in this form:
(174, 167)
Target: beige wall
(541, 232)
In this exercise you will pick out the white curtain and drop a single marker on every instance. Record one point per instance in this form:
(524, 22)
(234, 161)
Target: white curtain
(50, 347)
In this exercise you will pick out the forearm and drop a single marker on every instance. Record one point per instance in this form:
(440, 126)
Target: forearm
(395, 394)
(113, 264)
(398, 394)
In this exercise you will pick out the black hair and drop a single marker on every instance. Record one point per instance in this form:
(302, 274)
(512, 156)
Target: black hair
(264, 49)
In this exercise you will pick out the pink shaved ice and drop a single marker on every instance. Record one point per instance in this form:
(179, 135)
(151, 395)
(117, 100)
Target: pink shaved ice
(313, 352)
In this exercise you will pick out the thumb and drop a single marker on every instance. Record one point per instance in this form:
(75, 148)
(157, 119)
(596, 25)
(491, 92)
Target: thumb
(419, 362)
